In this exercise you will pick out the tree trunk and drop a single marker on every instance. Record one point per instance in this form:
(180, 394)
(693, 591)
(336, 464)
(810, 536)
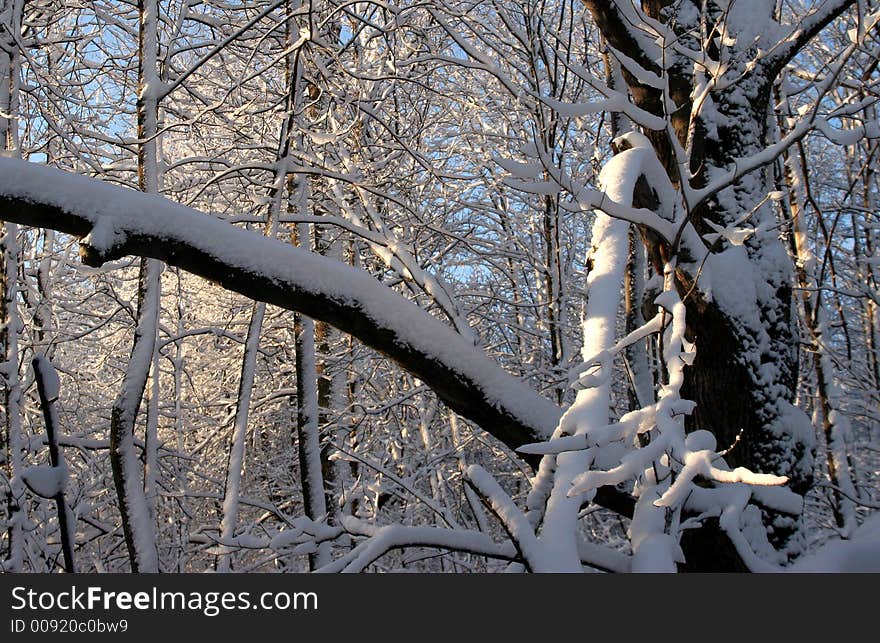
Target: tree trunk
(139, 529)
(10, 321)
(746, 369)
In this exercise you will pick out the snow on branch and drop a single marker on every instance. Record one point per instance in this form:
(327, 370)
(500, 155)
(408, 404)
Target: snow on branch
(132, 223)
(642, 162)
(383, 539)
(514, 521)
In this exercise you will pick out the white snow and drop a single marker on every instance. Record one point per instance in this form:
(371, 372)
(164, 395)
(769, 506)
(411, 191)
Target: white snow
(51, 381)
(859, 554)
(103, 236)
(590, 411)
(518, 169)
(45, 481)
(736, 236)
(730, 277)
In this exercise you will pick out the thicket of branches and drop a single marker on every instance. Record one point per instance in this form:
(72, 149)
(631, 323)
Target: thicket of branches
(450, 285)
